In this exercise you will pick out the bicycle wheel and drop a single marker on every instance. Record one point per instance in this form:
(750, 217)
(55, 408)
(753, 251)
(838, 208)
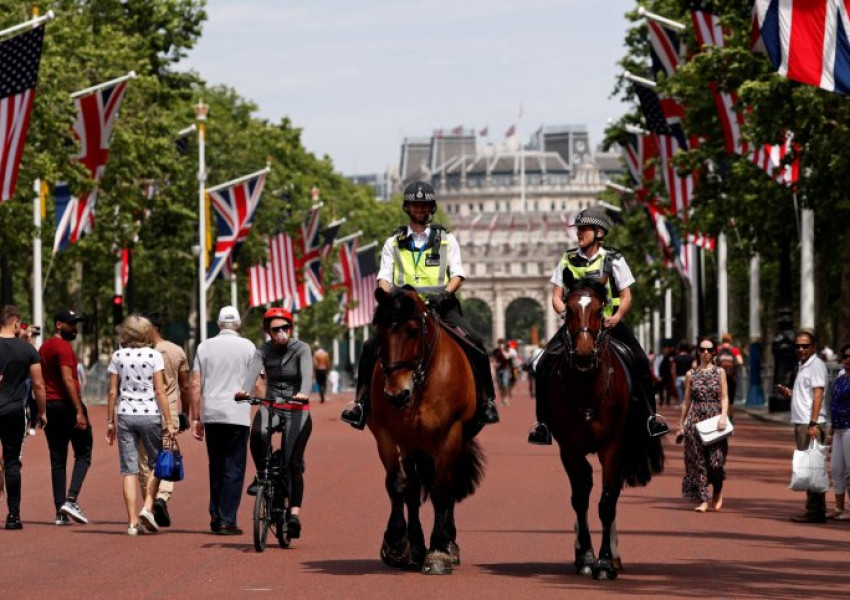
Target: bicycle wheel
(262, 518)
(282, 535)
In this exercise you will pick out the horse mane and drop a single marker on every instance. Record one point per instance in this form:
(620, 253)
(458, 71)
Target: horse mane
(400, 305)
(592, 285)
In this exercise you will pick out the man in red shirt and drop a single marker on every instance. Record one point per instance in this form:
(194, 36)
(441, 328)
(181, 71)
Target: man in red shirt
(67, 420)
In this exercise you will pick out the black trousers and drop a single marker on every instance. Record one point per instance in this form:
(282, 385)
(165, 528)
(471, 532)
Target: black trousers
(642, 386)
(297, 427)
(227, 451)
(60, 431)
(12, 429)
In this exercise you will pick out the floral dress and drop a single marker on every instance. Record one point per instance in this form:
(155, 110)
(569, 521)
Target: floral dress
(703, 464)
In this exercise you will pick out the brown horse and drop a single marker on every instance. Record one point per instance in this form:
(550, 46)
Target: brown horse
(591, 411)
(423, 406)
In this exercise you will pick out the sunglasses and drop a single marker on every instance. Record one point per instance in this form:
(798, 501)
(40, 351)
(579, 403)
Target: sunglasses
(702, 350)
(802, 346)
(281, 328)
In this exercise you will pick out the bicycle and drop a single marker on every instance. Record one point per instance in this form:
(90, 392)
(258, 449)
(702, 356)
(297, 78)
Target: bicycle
(272, 501)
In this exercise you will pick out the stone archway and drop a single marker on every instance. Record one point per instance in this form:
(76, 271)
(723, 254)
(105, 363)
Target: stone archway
(525, 320)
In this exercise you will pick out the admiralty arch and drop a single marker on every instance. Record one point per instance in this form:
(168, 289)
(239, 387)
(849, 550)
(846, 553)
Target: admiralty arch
(510, 208)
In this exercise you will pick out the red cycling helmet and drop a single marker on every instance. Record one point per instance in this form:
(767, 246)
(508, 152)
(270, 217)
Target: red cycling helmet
(276, 312)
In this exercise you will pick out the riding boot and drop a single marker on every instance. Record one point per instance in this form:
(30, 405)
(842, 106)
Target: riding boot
(656, 425)
(357, 412)
(539, 434)
(486, 412)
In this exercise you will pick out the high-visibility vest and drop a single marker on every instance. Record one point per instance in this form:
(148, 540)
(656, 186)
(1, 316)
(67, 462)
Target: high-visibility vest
(426, 270)
(577, 267)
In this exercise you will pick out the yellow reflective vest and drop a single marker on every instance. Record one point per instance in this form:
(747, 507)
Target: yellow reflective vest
(425, 270)
(598, 268)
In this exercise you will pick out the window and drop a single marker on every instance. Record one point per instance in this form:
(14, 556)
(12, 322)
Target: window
(523, 269)
(498, 207)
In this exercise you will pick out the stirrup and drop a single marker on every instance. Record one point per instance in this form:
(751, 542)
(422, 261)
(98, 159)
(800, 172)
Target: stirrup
(355, 415)
(540, 435)
(656, 425)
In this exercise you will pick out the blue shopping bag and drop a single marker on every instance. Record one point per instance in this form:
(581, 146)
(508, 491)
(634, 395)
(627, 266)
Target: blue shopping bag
(169, 463)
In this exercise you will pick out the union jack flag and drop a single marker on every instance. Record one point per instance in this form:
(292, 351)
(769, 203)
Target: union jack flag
(96, 116)
(707, 26)
(700, 240)
(235, 205)
(806, 40)
(309, 264)
(665, 48)
(19, 60)
(780, 161)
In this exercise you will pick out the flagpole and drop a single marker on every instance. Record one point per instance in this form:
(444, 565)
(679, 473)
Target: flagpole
(639, 80)
(347, 238)
(521, 162)
(368, 246)
(105, 84)
(642, 12)
(238, 180)
(31, 24)
(722, 286)
(619, 188)
(201, 115)
(37, 297)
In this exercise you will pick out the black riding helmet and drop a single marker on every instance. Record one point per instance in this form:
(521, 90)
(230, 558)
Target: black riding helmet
(420, 191)
(593, 217)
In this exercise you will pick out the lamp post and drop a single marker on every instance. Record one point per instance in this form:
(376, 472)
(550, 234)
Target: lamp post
(201, 110)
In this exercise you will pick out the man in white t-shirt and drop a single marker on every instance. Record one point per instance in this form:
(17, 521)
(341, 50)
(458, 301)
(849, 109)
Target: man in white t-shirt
(219, 370)
(808, 413)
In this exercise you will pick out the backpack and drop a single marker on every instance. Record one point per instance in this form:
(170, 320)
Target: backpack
(727, 362)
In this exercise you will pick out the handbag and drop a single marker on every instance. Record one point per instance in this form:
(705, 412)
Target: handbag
(708, 432)
(169, 463)
(808, 469)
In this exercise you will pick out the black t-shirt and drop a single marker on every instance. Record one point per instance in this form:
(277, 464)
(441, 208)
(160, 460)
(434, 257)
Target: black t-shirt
(16, 357)
(683, 364)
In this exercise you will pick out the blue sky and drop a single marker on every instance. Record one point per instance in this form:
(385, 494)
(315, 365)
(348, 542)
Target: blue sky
(358, 77)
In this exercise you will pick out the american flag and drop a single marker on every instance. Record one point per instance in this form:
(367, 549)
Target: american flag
(19, 60)
(806, 40)
(360, 276)
(235, 205)
(96, 116)
(668, 237)
(665, 48)
(640, 149)
(700, 240)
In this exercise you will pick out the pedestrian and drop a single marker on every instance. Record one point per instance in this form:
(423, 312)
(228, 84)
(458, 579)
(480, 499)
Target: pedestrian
(29, 335)
(67, 417)
(502, 358)
(684, 362)
(137, 413)
(176, 379)
(731, 360)
(606, 266)
(840, 436)
(321, 366)
(427, 257)
(288, 367)
(667, 372)
(808, 413)
(219, 369)
(706, 396)
(18, 360)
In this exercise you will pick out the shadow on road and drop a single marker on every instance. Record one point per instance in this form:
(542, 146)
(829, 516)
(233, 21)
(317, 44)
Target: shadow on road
(347, 567)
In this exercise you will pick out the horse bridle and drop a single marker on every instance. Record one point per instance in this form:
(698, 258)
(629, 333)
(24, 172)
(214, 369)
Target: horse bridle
(420, 365)
(598, 345)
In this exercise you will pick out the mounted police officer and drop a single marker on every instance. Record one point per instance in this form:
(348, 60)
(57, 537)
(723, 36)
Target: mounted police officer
(590, 260)
(426, 256)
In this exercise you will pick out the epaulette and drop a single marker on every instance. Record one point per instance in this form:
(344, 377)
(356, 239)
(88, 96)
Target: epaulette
(440, 227)
(613, 252)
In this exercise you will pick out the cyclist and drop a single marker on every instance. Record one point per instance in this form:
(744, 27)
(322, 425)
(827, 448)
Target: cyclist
(288, 365)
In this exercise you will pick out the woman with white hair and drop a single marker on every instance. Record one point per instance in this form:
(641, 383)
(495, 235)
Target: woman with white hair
(136, 407)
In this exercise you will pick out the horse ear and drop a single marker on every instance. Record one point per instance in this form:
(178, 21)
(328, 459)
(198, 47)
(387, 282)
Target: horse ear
(381, 295)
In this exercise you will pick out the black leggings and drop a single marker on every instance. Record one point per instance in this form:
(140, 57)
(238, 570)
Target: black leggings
(297, 427)
(60, 431)
(13, 426)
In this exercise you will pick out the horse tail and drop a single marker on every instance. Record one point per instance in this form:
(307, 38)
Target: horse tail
(468, 470)
(643, 455)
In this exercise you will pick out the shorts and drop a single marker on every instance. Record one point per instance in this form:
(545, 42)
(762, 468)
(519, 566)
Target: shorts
(133, 430)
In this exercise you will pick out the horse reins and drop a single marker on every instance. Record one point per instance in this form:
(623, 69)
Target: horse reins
(425, 353)
(599, 341)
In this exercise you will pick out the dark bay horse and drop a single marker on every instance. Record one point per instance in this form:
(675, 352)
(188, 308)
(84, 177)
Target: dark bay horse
(591, 411)
(422, 417)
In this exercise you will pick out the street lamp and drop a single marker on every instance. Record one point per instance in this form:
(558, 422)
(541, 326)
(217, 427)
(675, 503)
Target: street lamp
(201, 110)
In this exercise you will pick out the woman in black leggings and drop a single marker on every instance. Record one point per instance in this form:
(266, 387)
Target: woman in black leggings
(288, 365)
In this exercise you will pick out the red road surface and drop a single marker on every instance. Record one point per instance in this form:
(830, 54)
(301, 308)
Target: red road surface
(515, 534)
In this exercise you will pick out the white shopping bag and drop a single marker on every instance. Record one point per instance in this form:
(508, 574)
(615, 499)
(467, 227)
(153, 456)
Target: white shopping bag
(808, 469)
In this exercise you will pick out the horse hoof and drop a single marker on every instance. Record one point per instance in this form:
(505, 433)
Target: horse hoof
(437, 563)
(604, 570)
(585, 562)
(417, 557)
(397, 557)
(454, 552)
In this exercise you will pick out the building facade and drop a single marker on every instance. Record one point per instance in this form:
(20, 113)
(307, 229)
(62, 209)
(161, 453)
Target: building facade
(511, 207)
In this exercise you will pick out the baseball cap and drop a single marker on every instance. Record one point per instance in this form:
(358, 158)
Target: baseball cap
(67, 316)
(229, 314)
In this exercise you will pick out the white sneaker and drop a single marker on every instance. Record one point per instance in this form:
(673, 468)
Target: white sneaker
(31, 431)
(135, 530)
(73, 510)
(147, 521)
